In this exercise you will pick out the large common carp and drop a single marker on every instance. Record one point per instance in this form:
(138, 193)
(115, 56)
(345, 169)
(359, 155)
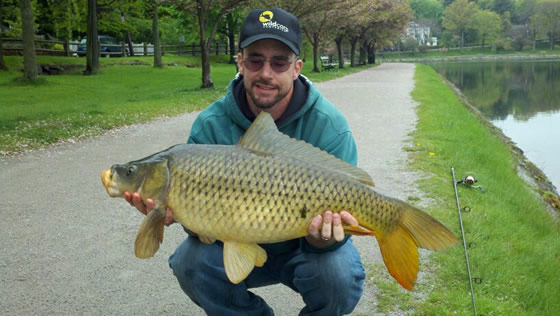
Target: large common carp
(266, 189)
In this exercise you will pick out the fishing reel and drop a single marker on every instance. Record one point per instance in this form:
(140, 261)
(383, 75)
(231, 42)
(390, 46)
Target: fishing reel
(469, 181)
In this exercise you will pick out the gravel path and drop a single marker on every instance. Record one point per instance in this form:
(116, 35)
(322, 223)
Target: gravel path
(66, 248)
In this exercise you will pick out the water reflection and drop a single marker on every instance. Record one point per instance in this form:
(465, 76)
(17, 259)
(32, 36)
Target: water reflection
(522, 98)
(500, 89)
(539, 138)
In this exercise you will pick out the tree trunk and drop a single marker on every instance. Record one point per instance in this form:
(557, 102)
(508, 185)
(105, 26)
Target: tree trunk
(129, 42)
(231, 37)
(29, 62)
(551, 37)
(2, 64)
(155, 36)
(206, 78)
(315, 44)
(371, 53)
(353, 43)
(462, 40)
(363, 53)
(204, 49)
(340, 51)
(92, 43)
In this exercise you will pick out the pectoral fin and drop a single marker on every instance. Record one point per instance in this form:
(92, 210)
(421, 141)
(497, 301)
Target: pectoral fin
(240, 259)
(150, 234)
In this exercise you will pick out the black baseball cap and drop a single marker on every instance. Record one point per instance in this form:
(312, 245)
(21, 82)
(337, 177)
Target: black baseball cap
(271, 24)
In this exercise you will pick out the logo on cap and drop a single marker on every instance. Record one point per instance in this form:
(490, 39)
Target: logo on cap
(266, 19)
(266, 16)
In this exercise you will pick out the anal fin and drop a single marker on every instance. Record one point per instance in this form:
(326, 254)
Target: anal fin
(241, 258)
(357, 230)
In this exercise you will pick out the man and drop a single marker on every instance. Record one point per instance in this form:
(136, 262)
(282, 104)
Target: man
(324, 267)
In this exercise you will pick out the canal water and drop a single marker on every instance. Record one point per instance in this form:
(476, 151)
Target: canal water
(520, 97)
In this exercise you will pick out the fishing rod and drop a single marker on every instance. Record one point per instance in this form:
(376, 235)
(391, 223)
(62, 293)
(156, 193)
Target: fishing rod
(468, 181)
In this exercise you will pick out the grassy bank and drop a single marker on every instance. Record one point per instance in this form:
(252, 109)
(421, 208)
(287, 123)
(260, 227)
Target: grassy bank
(516, 243)
(128, 90)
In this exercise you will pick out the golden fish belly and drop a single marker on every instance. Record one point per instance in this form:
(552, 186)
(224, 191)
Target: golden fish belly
(230, 193)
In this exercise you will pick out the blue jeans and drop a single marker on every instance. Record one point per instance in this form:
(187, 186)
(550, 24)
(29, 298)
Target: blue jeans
(330, 283)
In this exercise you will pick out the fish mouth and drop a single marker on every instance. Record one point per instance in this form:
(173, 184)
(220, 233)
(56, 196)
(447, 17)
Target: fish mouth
(109, 183)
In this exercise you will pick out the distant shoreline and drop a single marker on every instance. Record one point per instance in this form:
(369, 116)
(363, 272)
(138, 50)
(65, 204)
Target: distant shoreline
(472, 58)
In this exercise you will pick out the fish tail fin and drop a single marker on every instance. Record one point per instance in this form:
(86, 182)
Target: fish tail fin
(150, 234)
(399, 248)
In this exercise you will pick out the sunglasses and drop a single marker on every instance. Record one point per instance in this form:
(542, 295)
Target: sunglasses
(278, 64)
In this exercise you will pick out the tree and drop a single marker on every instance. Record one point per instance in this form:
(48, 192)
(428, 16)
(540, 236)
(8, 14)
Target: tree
(534, 29)
(429, 13)
(548, 13)
(29, 62)
(320, 19)
(524, 11)
(356, 22)
(503, 6)
(230, 29)
(426, 9)
(2, 64)
(319, 25)
(386, 24)
(209, 14)
(519, 37)
(357, 33)
(302, 8)
(410, 44)
(361, 23)
(155, 35)
(63, 18)
(92, 42)
(488, 24)
(458, 17)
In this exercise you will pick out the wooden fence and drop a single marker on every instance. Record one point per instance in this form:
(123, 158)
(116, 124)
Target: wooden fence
(14, 46)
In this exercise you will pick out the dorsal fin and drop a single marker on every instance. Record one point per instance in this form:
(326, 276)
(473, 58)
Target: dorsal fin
(263, 137)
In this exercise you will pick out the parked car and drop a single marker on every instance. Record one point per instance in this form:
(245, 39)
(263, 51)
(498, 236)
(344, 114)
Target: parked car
(109, 46)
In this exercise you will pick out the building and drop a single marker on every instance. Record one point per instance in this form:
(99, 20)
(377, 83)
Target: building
(421, 33)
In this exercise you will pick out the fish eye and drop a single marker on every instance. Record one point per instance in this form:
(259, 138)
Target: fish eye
(130, 170)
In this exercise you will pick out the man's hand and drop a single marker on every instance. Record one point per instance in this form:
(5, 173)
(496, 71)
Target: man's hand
(327, 229)
(135, 200)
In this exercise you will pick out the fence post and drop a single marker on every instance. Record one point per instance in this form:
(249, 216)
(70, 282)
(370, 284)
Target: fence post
(217, 48)
(192, 50)
(145, 49)
(162, 50)
(123, 49)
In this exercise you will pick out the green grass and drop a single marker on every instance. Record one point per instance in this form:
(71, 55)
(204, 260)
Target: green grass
(74, 106)
(516, 242)
(390, 295)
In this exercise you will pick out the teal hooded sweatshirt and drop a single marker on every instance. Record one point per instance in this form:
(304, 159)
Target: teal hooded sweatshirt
(317, 122)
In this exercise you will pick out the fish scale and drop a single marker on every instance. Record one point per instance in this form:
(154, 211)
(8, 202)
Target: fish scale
(266, 189)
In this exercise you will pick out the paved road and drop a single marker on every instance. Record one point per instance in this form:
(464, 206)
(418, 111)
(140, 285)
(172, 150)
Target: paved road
(66, 248)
